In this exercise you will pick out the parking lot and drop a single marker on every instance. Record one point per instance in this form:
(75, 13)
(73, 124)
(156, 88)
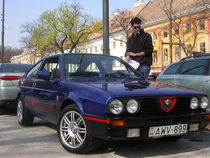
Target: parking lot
(40, 141)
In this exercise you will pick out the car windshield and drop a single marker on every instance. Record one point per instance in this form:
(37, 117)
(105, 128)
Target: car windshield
(97, 66)
(19, 68)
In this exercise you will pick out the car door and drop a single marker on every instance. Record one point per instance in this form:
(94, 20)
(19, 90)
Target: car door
(28, 83)
(45, 92)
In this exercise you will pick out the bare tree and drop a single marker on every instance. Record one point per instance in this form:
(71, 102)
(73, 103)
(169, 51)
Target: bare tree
(35, 41)
(183, 27)
(26, 40)
(121, 21)
(10, 52)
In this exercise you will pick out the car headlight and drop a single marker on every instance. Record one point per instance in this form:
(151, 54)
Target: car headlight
(116, 107)
(194, 103)
(132, 106)
(204, 102)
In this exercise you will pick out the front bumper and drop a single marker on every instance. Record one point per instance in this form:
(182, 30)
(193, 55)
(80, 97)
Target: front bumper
(105, 130)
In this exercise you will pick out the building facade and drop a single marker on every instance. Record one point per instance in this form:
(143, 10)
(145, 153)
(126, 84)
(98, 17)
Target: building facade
(186, 23)
(25, 57)
(190, 30)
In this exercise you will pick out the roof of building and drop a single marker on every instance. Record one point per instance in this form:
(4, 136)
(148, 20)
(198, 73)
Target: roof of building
(155, 11)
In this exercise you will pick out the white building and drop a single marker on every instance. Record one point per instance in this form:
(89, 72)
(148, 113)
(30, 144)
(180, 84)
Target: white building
(116, 36)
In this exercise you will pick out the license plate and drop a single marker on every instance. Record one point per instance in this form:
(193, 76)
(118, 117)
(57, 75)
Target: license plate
(160, 131)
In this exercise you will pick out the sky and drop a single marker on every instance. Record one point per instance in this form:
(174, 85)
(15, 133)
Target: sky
(20, 12)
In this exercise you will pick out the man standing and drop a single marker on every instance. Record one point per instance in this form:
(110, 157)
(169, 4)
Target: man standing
(139, 48)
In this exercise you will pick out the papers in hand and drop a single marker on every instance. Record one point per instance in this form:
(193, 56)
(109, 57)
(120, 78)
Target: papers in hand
(133, 63)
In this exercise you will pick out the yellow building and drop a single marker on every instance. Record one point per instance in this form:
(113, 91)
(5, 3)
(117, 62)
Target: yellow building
(190, 23)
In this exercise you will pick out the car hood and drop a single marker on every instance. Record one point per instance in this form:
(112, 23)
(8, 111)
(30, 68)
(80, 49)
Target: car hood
(135, 87)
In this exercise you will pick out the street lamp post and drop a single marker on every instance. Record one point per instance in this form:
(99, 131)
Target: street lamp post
(106, 49)
(2, 35)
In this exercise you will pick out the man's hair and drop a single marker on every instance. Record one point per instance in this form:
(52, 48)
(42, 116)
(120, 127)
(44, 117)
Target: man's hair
(135, 21)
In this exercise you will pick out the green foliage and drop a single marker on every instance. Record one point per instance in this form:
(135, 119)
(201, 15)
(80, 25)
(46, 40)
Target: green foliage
(63, 28)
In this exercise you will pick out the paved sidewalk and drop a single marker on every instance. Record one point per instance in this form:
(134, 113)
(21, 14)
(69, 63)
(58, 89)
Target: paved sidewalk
(41, 141)
(203, 136)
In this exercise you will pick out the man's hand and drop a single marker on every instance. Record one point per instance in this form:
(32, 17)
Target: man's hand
(131, 54)
(127, 58)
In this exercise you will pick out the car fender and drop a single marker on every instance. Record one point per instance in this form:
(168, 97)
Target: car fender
(74, 99)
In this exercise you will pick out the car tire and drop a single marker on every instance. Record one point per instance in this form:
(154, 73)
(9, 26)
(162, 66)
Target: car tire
(23, 116)
(73, 132)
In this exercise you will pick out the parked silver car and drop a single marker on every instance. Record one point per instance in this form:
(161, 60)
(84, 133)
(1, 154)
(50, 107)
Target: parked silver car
(191, 73)
(9, 77)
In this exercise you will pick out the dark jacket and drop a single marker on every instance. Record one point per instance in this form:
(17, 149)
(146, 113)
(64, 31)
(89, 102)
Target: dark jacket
(142, 42)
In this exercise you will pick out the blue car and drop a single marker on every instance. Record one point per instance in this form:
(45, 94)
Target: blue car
(97, 97)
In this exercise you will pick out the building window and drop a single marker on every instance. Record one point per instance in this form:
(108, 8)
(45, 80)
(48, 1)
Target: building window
(189, 48)
(154, 35)
(203, 47)
(96, 49)
(121, 43)
(155, 57)
(188, 28)
(114, 44)
(165, 33)
(122, 59)
(176, 30)
(165, 51)
(202, 24)
(177, 53)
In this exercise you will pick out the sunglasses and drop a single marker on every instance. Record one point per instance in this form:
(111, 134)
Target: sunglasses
(136, 27)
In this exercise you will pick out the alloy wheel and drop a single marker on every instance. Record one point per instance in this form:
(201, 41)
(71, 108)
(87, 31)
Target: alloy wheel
(20, 111)
(73, 129)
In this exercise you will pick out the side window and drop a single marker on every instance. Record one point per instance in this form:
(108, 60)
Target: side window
(208, 71)
(72, 64)
(194, 67)
(33, 72)
(52, 65)
(92, 67)
(173, 69)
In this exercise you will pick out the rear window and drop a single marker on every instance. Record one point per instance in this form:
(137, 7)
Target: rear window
(194, 67)
(172, 69)
(15, 67)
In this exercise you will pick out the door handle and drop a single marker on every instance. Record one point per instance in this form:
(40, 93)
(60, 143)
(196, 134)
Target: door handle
(34, 84)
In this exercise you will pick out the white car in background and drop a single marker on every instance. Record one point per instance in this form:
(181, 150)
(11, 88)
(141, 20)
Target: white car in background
(190, 73)
(9, 77)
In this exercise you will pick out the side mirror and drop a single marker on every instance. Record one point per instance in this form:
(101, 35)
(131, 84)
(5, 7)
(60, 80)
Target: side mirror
(45, 75)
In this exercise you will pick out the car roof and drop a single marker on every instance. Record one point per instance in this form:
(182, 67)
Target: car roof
(190, 59)
(63, 54)
(197, 55)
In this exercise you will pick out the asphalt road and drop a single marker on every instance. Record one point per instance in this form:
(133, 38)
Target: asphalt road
(40, 141)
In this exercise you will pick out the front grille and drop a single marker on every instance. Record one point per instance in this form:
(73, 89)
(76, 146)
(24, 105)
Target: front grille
(151, 106)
